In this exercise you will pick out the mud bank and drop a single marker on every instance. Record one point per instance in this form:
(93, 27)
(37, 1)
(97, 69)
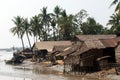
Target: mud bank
(47, 68)
(33, 71)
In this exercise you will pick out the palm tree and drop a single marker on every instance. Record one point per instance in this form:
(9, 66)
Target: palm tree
(18, 29)
(27, 30)
(62, 25)
(66, 25)
(45, 18)
(118, 5)
(53, 24)
(115, 22)
(57, 13)
(36, 27)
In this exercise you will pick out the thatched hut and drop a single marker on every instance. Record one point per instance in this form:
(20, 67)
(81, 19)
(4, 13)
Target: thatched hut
(45, 48)
(93, 53)
(49, 45)
(78, 38)
(57, 50)
(117, 52)
(27, 53)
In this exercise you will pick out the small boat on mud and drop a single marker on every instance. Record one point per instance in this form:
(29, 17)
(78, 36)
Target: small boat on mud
(17, 59)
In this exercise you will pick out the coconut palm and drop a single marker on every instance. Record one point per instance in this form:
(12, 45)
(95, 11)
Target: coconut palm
(115, 22)
(66, 25)
(53, 24)
(36, 27)
(18, 29)
(26, 29)
(45, 18)
(118, 5)
(57, 13)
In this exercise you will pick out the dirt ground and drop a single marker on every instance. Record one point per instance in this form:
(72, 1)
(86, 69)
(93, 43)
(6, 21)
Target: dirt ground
(47, 68)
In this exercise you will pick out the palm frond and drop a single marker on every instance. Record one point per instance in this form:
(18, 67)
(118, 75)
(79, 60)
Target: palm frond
(118, 7)
(114, 2)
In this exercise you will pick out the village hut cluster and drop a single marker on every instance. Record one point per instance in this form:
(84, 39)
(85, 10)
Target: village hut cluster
(82, 54)
(93, 53)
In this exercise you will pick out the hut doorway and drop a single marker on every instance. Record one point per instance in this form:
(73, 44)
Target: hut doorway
(40, 55)
(110, 52)
(107, 59)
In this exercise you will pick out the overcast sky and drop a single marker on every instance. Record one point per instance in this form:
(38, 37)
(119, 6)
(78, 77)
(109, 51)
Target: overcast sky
(99, 9)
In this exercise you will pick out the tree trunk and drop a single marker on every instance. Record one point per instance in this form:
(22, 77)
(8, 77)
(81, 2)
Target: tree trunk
(36, 38)
(46, 36)
(54, 33)
(28, 40)
(22, 43)
(59, 35)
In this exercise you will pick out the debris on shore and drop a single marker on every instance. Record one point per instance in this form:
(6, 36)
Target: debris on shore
(16, 59)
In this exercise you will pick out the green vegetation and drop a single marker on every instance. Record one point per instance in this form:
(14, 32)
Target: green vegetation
(114, 21)
(117, 9)
(60, 25)
(92, 27)
(18, 29)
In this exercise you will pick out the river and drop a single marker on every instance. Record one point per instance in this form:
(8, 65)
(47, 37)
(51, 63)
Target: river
(10, 72)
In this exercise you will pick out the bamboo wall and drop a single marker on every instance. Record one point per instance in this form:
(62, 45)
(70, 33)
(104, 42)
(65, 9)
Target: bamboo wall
(85, 62)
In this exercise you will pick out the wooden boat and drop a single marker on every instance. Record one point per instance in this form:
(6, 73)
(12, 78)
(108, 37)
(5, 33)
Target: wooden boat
(17, 59)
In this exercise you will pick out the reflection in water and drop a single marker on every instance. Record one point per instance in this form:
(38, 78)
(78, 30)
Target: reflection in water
(25, 71)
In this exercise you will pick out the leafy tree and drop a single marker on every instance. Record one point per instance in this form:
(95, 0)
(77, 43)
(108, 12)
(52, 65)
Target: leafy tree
(91, 27)
(57, 25)
(80, 16)
(78, 20)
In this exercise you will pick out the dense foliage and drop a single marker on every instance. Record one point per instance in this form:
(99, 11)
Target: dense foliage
(58, 25)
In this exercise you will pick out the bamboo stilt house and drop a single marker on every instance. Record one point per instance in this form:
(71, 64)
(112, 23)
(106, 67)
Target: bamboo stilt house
(92, 53)
(117, 52)
(43, 48)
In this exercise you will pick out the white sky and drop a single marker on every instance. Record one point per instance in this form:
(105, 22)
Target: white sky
(99, 9)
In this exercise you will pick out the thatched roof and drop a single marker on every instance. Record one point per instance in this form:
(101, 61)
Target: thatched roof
(49, 45)
(69, 50)
(93, 37)
(117, 50)
(60, 47)
(96, 44)
(110, 42)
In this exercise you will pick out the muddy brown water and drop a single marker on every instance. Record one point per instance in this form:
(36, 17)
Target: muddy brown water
(26, 72)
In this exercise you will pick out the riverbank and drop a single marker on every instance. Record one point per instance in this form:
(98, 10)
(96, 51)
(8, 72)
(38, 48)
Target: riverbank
(29, 70)
(47, 68)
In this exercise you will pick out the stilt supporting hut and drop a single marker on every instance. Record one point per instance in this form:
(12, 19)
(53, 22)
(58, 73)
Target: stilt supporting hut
(91, 55)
